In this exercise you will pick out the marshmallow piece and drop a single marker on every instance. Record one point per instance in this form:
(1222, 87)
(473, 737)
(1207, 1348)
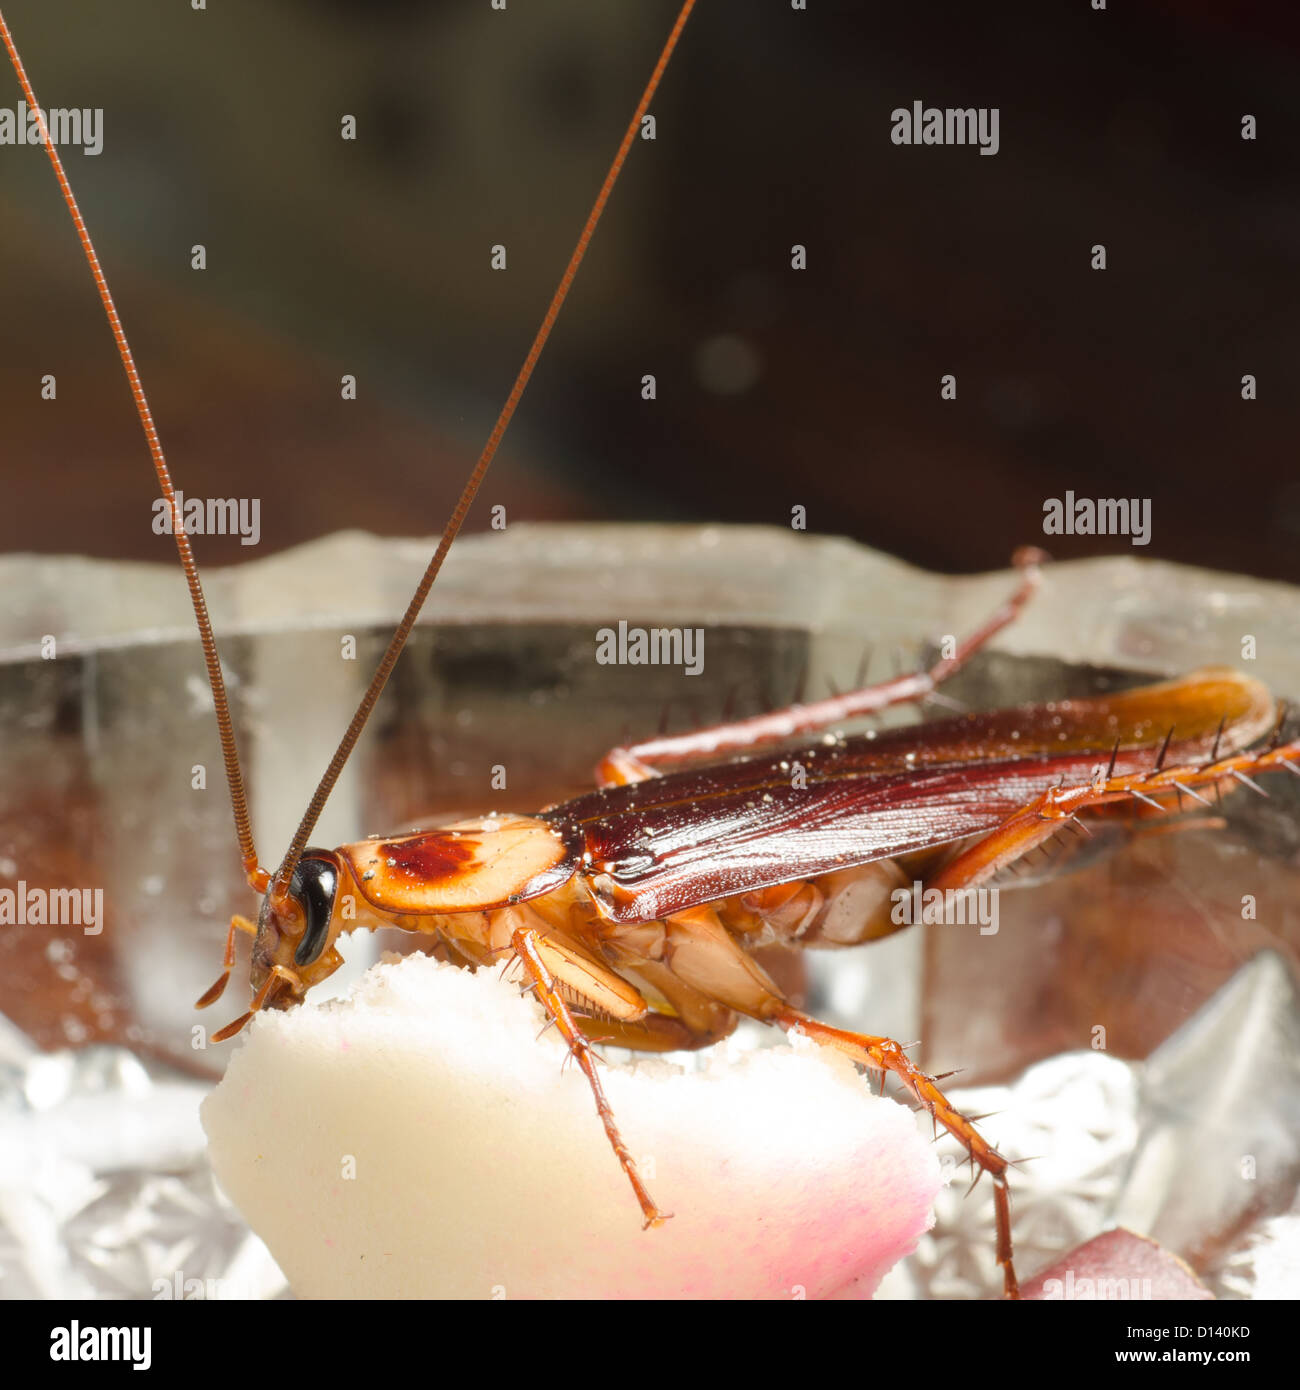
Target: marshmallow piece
(417, 1140)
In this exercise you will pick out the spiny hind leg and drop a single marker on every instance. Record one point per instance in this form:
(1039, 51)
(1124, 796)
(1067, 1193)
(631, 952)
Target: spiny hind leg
(638, 761)
(885, 1055)
(528, 945)
(1160, 788)
(704, 956)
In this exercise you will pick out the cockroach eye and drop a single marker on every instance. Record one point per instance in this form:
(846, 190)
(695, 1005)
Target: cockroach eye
(313, 886)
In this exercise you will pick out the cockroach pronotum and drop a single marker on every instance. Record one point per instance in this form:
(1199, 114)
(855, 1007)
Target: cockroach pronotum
(633, 911)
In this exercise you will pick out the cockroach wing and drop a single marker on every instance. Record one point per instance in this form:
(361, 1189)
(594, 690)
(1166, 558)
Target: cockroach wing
(653, 857)
(673, 842)
(466, 867)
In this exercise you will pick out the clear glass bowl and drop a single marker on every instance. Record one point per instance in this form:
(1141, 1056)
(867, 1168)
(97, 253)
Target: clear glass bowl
(110, 779)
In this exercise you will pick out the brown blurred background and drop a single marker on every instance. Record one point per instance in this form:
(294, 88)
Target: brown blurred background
(775, 388)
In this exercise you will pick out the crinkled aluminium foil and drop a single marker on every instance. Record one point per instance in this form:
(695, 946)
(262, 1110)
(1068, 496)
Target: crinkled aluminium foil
(105, 1190)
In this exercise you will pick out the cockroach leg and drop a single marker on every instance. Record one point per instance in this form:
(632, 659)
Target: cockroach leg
(653, 1033)
(277, 978)
(218, 987)
(527, 945)
(231, 1029)
(1044, 816)
(638, 761)
(885, 1055)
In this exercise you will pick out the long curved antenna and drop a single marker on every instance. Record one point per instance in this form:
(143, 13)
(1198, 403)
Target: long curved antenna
(257, 877)
(384, 670)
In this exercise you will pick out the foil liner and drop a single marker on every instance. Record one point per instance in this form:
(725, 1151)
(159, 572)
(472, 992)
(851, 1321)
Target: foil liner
(1131, 1030)
(105, 1190)
(1153, 1147)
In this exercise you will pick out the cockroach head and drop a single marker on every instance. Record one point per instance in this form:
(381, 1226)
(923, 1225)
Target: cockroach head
(294, 931)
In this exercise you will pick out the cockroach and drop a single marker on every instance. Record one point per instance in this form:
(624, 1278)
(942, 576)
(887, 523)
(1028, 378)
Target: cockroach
(634, 910)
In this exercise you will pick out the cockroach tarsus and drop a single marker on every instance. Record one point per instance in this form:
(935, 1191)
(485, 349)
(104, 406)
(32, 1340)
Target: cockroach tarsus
(633, 911)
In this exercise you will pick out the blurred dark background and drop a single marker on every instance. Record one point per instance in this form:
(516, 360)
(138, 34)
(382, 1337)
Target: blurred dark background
(776, 388)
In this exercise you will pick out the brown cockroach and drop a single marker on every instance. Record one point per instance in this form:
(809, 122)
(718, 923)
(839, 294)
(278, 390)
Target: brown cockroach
(634, 911)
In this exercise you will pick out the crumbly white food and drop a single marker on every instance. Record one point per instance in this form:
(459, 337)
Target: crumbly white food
(418, 1140)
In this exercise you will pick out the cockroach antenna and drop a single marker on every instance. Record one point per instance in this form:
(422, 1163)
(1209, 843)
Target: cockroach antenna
(257, 877)
(278, 885)
(284, 873)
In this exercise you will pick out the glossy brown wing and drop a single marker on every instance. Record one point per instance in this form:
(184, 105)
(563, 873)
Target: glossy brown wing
(675, 841)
